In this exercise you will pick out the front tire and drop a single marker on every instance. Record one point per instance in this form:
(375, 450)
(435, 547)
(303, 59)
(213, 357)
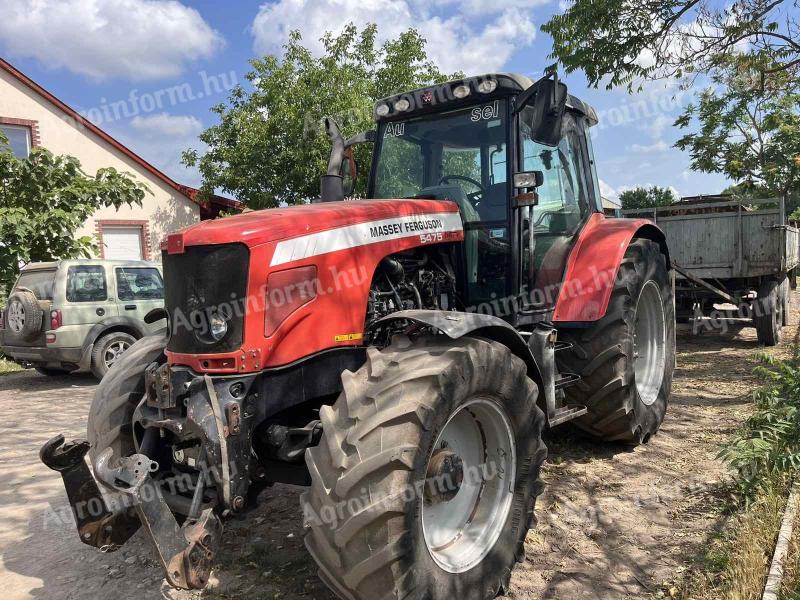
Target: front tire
(626, 360)
(378, 526)
(110, 416)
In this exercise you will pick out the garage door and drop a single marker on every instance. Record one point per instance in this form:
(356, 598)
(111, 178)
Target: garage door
(122, 243)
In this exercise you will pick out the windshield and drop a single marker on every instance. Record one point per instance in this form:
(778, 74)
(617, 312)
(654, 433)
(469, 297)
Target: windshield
(459, 155)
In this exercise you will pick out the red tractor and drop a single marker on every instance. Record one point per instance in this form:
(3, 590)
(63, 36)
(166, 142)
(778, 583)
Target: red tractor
(400, 356)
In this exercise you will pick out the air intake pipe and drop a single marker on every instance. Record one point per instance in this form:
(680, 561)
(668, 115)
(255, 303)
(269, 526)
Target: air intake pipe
(331, 185)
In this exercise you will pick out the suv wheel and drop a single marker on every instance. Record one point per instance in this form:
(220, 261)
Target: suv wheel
(23, 316)
(107, 351)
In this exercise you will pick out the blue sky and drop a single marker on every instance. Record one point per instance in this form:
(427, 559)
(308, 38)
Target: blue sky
(147, 71)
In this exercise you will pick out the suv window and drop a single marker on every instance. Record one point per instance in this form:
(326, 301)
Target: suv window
(86, 284)
(139, 284)
(39, 282)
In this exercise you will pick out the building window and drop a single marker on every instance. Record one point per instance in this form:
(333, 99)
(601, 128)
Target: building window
(123, 239)
(19, 140)
(22, 134)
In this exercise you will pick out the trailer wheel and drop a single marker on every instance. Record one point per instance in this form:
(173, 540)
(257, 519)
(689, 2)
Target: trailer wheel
(118, 394)
(768, 311)
(626, 359)
(786, 291)
(427, 473)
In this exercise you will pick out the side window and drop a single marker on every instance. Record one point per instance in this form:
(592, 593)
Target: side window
(563, 199)
(86, 284)
(139, 284)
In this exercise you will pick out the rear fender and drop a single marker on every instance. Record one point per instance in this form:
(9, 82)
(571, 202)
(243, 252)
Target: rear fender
(594, 263)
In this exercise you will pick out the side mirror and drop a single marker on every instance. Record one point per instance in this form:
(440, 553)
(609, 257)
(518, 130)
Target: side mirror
(548, 99)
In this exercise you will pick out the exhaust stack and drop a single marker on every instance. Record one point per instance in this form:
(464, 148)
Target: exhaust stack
(331, 185)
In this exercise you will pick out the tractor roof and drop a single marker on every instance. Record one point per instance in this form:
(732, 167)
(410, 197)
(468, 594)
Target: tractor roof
(488, 85)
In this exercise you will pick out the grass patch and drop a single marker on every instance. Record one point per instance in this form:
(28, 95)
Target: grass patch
(6, 367)
(736, 563)
(764, 458)
(790, 585)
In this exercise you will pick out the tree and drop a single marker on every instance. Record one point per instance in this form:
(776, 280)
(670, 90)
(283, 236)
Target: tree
(749, 191)
(622, 42)
(269, 147)
(749, 134)
(44, 199)
(647, 197)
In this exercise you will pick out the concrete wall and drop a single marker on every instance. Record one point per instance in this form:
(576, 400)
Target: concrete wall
(165, 209)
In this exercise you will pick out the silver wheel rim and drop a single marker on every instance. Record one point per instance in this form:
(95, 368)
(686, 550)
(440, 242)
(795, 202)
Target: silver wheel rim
(460, 532)
(114, 351)
(16, 316)
(649, 343)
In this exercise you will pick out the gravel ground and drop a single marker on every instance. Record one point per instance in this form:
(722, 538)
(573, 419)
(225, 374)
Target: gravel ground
(613, 523)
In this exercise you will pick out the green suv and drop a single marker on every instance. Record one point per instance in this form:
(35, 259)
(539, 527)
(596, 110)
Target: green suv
(79, 315)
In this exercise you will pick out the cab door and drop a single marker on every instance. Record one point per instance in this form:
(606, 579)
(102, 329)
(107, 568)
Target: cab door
(139, 290)
(565, 202)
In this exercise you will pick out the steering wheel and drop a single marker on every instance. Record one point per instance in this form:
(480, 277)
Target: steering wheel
(474, 197)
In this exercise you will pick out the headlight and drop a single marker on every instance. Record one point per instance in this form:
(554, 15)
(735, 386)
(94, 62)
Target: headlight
(462, 91)
(218, 326)
(382, 110)
(487, 86)
(402, 105)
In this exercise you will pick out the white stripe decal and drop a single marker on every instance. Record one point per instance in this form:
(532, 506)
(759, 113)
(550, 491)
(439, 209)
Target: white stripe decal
(363, 234)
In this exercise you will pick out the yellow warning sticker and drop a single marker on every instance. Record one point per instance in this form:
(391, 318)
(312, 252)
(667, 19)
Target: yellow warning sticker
(348, 337)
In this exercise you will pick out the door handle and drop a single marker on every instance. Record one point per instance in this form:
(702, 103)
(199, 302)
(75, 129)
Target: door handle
(130, 307)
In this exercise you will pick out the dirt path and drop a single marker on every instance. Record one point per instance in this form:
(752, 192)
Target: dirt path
(614, 524)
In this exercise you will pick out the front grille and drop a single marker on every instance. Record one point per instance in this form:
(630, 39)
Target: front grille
(201, 282)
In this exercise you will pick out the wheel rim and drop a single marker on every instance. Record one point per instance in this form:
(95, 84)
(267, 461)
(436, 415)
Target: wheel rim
(649, 343)
(461, 529)
(114, 351)
(16, 316)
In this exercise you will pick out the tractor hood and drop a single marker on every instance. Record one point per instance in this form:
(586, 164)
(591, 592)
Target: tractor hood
(381, 220)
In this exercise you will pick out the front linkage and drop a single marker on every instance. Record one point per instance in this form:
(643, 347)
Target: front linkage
(132, 497)
(186, 552)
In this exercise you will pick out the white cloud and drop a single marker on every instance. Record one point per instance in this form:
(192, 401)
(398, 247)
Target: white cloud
(161, 140)
(131, 39)
(166, 125)
(659, 146)
(606, 191)
(454, 42)
(482, 7)
(657, 126)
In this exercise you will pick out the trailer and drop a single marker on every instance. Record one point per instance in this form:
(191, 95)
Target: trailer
(731, 251)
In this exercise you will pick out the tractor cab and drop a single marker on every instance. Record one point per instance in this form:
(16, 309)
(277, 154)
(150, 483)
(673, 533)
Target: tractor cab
(516, 157)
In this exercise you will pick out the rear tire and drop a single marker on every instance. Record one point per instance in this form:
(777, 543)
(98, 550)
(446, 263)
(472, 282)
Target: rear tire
(367, 505)
(108, 350)
(120, 391)
(626, 404)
